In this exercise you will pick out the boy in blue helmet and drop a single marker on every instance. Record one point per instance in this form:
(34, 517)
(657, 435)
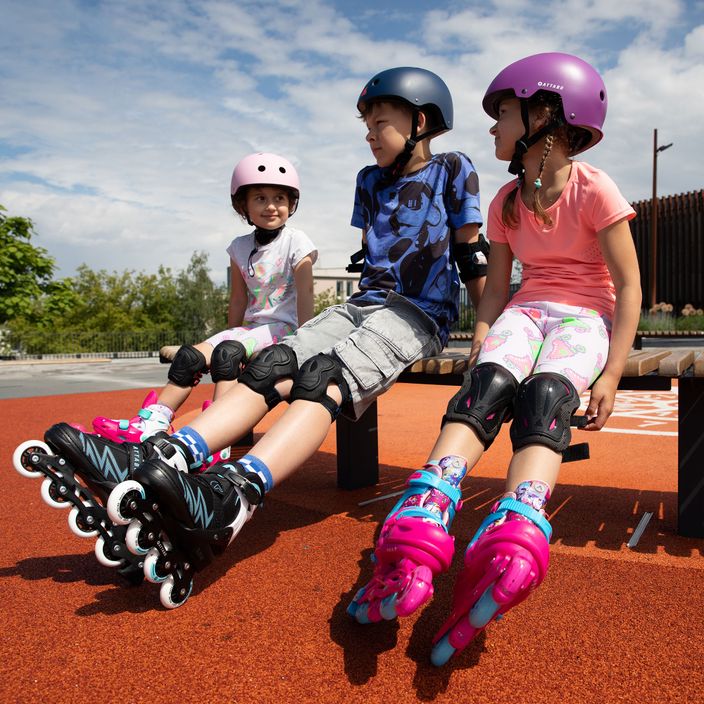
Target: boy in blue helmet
(419, 215)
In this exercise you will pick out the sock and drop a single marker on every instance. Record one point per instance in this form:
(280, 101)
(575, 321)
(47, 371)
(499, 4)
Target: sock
(533, 493)
(162, 410)
(194, 442)
(254, 464)
(452, 469)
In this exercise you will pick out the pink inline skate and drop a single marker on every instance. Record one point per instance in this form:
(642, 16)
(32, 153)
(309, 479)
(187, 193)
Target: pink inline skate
(505, 561)
(413, 547)
(145, 424)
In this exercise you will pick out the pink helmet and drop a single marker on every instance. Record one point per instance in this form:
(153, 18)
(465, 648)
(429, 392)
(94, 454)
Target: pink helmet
(578, 84)
(263, 169)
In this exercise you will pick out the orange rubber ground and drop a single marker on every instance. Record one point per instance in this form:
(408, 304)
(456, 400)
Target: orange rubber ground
(267, 622)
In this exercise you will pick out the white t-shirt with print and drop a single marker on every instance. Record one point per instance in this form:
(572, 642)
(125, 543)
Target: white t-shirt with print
(267, 271)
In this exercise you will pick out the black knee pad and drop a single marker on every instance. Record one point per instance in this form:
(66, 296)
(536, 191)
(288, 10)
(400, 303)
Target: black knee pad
(544, 405)
(484, 401)
(313, 379)
(263, 371)
(187, 367)
(227, 360)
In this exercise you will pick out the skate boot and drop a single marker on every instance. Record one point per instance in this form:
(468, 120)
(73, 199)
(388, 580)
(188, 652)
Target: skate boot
(146, 423)
(79, 472)
(505, 561)
(178, 522)
(412, 548)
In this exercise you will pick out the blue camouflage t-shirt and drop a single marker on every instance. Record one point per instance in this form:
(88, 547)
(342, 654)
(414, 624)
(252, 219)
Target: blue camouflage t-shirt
(409, 226)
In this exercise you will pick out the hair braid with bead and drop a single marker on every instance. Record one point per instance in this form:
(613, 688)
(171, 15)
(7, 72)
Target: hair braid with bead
(538, 209)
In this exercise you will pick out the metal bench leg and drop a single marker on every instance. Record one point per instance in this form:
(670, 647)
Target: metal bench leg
(690, 452)
(358, 450)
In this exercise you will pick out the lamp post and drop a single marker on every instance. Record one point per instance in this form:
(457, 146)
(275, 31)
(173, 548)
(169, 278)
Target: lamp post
(654, 217)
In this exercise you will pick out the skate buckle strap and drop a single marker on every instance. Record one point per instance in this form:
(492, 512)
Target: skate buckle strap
(418, 483)
(250, 490)
(144, 413)
(508, 504)
(123, 424)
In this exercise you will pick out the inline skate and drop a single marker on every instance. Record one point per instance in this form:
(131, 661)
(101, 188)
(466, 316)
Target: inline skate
(505, 561)
(413, 547)
(145, 424)
(79, 471)
(177, 523)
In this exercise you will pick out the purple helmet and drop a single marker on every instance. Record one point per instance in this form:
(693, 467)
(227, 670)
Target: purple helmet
(581, 88)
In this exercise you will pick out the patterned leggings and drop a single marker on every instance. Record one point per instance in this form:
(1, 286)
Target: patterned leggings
(254, 337)
(549, 337)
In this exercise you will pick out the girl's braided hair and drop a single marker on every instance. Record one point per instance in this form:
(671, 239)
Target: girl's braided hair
(548, 106)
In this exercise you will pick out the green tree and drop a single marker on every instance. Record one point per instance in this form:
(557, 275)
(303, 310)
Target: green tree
(26, 272)
(202, 305)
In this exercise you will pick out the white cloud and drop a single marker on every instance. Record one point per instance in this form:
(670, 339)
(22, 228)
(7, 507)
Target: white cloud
(121, 122)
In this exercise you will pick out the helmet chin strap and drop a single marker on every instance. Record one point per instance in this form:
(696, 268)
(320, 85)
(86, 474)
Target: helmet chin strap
(526, 142)
(394, 171)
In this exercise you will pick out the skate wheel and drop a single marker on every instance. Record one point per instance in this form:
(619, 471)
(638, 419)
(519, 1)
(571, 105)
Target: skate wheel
(102, 554)
(23, 454)
(362, 613)
(387, 608)
(484, 610)
(79, 524)
(138, 539)
(155, 571)
(442, 651)
(121, 499)
(169, 598)
(52, 494)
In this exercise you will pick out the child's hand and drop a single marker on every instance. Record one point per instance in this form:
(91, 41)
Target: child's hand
(601, 403)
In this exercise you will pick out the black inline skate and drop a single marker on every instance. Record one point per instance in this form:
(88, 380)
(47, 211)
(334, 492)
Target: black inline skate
(178, 522)
(80, 470)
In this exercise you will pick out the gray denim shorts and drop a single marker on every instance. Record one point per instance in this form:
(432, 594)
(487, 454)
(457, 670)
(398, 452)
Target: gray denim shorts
(374, 344)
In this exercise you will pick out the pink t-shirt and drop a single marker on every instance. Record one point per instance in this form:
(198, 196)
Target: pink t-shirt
(562, 263)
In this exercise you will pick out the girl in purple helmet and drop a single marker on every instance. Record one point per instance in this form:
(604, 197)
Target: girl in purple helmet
(568, 329)
(271, 294)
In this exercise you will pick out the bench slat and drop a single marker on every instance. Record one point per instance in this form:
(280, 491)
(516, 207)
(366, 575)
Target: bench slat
(641, 363)
(676, 363)
(662, 363)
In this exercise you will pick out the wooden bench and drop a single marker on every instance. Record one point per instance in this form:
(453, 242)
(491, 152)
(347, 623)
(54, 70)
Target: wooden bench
(358, 445)
(666, 335)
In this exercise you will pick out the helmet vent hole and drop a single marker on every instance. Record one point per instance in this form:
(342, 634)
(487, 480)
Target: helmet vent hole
(282, 169)
(524, 91)
(601, 95)
(375, 82)
(261, 167)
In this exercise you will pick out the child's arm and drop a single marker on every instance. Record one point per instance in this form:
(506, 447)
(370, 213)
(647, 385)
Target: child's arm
(619, 253)
(238, 297)
(494, 296)
(303, 276)
(469, 234)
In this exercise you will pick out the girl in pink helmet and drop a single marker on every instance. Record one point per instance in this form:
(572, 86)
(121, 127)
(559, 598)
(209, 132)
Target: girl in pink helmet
(271, 294)
(568, 329)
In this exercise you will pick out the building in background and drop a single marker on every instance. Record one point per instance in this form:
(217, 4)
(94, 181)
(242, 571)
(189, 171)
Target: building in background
(338, 282)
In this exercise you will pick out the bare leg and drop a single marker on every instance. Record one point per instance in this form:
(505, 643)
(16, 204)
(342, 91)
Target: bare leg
(295, 436)
(533, 463)
(458, 439)
(234, 414)
(222, 387)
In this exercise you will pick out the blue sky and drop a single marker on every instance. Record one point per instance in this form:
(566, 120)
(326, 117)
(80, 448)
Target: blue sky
(121, 121)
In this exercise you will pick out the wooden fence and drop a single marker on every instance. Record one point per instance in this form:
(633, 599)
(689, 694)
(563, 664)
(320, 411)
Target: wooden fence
(680, 248)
